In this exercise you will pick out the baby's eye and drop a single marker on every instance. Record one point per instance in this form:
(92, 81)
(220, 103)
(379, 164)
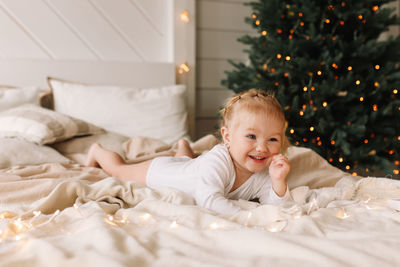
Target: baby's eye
(273, 139)
(251, 136)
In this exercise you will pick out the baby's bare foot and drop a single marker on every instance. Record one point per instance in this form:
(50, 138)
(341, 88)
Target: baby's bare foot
(91, 157)
(184, 149)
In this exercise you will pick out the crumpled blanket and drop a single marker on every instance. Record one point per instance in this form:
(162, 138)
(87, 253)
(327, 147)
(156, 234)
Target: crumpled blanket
(67, 214)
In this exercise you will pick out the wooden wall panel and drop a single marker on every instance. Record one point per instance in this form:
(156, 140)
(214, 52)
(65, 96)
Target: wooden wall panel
(92, 29)
(220, 24)
(222, 15)
(51, 34)
(15, 42)
(217, 44)
(143, 36)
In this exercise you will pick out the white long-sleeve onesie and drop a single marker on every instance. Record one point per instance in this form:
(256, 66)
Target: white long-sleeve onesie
(209, 179)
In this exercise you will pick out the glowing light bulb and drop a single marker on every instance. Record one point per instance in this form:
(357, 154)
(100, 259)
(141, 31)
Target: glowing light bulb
(185, 16)
(264, 33)
(173, 225)
(358, 82)
(287, 58)
(325, 104)
(183, 67)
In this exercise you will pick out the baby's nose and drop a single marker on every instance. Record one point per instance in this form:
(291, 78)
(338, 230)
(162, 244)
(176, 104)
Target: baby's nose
(262, 147)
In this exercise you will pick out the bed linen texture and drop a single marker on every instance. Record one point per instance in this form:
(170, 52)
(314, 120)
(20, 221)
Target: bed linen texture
(63, 214)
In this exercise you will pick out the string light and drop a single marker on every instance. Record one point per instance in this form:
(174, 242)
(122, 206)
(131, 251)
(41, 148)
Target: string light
(254, 16)
(358, 82)
(395, 91)
(185, 16)
(325, 104)
(319, 73)
(360, 17)
(342, 214)
(361, 99)
(349, 68)
(327, 21)
(258, 22)
(278, 56)
(375, 107)
(377, 67)
(183, 67)
(264, 33)
(375, 8)
(173, 225)
(287, 58)
(376, 84)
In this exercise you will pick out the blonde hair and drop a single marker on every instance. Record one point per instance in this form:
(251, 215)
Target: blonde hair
(253, 100)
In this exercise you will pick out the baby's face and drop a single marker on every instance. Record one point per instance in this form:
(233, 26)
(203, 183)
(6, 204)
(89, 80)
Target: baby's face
(254, 139)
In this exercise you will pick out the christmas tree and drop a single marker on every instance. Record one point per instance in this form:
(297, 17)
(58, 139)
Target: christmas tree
(337, 81)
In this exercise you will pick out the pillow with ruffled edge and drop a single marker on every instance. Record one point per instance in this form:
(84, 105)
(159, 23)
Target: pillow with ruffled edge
(42, 126)
(158, 112)
(11, 96)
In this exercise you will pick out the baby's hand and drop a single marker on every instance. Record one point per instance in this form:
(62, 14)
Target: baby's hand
(278, 170)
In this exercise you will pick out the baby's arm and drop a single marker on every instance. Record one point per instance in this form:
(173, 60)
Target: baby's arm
(278, 170)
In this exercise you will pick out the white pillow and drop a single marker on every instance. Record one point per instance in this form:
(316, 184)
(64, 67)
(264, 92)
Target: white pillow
(152, 112)
(12, 97)
(14, 151)
(42, 126)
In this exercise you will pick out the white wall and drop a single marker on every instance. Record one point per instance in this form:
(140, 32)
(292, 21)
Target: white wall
(219, 24)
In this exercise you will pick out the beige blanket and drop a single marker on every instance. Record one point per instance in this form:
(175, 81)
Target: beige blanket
(69, 215)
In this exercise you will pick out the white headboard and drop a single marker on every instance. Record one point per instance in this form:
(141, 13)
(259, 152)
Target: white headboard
(119, 42)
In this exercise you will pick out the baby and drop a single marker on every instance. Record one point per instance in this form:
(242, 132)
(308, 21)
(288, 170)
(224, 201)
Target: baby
(249, 164)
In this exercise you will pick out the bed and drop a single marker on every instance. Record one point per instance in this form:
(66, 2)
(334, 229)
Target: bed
(137, 99)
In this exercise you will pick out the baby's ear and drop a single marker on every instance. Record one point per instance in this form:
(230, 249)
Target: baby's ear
(225, 134)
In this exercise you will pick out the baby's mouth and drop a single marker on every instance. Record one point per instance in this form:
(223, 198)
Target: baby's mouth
(257, 158)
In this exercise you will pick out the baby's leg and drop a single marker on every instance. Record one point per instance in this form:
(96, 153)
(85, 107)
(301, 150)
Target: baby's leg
(113, 164)
(184, 149)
